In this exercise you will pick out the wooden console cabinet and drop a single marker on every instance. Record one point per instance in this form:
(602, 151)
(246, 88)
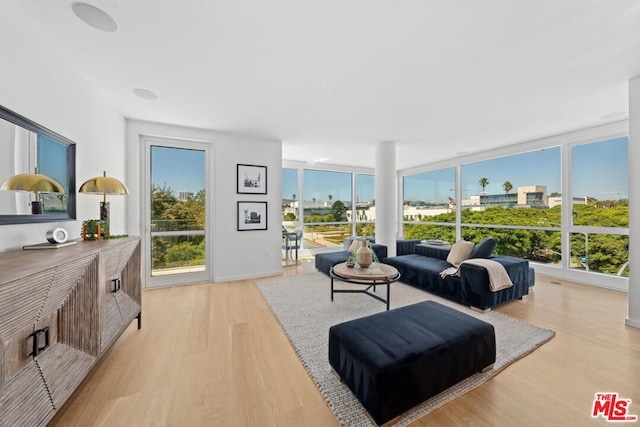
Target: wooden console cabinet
(60, 311)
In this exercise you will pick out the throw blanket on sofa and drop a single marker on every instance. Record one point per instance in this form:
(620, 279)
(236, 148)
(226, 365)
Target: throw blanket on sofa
(498, 277)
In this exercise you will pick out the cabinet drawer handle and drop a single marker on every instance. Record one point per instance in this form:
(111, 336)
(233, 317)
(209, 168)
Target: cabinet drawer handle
(36, 349)
(117, 285)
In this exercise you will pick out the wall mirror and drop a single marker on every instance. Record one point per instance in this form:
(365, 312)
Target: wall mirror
(25, 146)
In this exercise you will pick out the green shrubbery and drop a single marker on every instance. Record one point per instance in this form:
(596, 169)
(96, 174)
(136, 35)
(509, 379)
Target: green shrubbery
(171, 214)
(606, 253)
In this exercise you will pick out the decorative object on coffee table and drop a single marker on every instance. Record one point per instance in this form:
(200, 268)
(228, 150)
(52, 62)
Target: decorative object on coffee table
(364, 256)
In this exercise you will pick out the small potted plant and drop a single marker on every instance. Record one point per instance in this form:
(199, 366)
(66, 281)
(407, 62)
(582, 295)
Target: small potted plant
(95, 229)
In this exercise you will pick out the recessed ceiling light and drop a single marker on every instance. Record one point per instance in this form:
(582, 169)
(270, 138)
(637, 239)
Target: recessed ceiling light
(614, 115)
(94, 17)
(145, 94)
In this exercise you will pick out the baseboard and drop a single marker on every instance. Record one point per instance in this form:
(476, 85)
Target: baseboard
(632, 323)
(260, 275)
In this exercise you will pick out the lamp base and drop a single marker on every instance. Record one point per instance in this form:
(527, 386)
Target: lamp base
(104, 215)
(36, 208)
(104, 211)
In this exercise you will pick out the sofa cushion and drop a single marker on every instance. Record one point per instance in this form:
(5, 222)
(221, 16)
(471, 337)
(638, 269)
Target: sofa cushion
(406, 246)
(460, 251)
(485, 248)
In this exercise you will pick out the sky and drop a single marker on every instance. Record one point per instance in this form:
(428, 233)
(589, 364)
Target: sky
(599, 170)
(178, 168)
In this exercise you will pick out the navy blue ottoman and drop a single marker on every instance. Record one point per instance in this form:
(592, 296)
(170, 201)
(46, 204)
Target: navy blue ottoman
(396, 359)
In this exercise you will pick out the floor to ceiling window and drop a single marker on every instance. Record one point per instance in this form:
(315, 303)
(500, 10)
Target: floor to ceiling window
(327, 204)
(600, 213)
(562, 203)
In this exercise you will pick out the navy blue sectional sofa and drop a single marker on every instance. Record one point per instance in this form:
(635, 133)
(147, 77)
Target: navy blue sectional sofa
(422, 268)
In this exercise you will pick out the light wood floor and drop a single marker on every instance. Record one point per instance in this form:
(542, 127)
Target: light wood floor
(214, 355)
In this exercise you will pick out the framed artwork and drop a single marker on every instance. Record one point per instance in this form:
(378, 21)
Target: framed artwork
(252, 216)
(252, 179)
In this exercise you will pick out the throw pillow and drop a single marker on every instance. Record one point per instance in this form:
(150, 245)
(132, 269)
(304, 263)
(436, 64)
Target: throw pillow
(460, 251)
(485, 248)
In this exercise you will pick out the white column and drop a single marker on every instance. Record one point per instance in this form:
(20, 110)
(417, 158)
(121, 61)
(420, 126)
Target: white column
(386, 199)
(633, 318)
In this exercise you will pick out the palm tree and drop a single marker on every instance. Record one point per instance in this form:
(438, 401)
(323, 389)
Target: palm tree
(314, 202)
(483, 183)
(330, 198)
(507, 187)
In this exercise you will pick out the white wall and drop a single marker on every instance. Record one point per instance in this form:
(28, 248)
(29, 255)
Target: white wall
(38, 83)
(235, 254)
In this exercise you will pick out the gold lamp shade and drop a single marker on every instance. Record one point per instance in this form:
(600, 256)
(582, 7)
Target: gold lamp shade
(103, 185)
(33, 182)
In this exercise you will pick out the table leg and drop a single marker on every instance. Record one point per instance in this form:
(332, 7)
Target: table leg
(332, 289)
(388, 294)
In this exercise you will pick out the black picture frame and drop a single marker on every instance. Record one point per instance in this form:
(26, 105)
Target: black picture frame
(251, 179)
(252, 216)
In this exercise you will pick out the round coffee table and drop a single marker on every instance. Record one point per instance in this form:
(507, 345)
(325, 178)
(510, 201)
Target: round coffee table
(375, 274)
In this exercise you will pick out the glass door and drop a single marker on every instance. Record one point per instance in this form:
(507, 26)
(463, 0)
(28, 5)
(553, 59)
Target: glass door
(176, 213)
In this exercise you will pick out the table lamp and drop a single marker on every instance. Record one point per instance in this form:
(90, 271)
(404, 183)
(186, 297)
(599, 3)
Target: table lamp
(104, 185)
(34, 183)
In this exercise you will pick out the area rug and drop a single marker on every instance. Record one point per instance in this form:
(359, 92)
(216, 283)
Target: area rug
(303, 307)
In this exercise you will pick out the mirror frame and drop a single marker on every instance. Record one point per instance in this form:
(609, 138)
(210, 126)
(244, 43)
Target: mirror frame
(27, 124)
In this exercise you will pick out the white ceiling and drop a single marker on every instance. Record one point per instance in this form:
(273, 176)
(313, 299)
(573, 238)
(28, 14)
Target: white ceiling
(331, 78)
